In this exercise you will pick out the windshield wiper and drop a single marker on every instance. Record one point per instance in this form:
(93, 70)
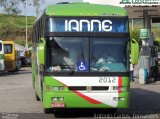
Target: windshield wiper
(101, 65)
(82, 53)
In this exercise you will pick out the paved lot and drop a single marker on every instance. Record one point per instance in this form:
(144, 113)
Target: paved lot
(17, 100)
(17, 94)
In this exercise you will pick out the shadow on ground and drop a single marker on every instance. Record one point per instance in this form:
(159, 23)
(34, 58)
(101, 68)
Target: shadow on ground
(20, 72)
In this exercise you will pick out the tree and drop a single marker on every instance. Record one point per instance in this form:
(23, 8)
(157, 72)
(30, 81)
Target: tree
(10, 6)
(37, 4)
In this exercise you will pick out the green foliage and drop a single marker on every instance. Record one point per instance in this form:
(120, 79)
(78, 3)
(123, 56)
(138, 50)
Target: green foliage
(157, 43)
(156, 32)
(12, 26)
(135, 34)
(10, 6)
(157, 39)
(16, 21)
(23, 42)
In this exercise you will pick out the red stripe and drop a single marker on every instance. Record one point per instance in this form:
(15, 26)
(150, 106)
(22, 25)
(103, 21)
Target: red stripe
(119, 84)
(93, 101)
(63, 84)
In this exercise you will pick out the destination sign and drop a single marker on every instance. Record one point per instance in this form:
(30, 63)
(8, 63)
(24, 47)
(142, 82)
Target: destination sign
(87, 25)
(77, 25)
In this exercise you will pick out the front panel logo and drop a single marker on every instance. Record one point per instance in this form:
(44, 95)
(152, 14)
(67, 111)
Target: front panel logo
(82, 67)
(75, 25)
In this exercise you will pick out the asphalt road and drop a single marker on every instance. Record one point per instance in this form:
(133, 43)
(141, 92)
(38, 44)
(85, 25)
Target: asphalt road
(17, 101)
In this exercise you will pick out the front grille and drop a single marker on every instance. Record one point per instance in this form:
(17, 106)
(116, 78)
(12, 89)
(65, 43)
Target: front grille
(100, 87)
(93, 88)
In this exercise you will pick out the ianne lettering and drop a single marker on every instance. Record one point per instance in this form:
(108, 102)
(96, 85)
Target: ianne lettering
(105, 25)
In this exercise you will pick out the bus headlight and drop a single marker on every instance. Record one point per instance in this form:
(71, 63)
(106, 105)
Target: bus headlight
(61, 98)
(57, 98)
(54, 88)
(61, 88)
(58, 88)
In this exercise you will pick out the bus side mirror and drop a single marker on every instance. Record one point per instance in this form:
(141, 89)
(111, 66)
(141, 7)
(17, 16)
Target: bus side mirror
(134, 51)
(41, 51)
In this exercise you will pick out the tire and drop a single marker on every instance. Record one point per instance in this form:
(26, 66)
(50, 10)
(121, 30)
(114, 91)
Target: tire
(48, 110)
(37, 98)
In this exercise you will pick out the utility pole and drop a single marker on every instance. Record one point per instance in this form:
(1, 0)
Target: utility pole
(26, 4)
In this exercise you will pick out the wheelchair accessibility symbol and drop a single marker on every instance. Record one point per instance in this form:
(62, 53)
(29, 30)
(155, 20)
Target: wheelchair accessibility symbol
(82, 67)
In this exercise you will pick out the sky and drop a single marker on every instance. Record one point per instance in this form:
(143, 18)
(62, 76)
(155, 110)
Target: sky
(31, 10)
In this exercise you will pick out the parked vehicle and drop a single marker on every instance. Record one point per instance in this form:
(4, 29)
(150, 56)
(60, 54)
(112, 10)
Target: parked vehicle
(12, 63)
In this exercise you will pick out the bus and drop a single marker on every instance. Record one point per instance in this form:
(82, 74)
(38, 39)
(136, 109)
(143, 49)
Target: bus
(1, 56)
(10, 58)
(68, 68)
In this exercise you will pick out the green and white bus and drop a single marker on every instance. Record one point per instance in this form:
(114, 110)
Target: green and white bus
(1, 56)
(69, 69)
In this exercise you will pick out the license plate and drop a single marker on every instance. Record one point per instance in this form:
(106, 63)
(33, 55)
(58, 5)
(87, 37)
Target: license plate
(58, 104)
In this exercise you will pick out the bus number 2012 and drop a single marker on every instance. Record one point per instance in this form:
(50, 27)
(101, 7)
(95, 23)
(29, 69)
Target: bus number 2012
(107, 80)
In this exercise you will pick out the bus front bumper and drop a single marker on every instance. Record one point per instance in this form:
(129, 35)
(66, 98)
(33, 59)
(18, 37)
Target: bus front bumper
(86, 100)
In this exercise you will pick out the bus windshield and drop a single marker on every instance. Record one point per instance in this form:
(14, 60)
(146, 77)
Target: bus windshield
(86, 54)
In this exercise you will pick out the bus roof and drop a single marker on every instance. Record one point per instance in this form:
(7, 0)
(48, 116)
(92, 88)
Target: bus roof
(84, 9)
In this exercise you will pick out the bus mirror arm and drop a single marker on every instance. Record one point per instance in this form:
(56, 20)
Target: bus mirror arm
(41, 51)
(42, 41)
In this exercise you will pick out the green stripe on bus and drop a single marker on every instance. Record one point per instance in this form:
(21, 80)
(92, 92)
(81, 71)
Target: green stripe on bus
(1, 56)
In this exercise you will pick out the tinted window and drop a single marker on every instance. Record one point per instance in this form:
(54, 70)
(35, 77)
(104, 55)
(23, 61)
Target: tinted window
(7, 48)
(108, 54)
(67, 54)
(84, 54)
